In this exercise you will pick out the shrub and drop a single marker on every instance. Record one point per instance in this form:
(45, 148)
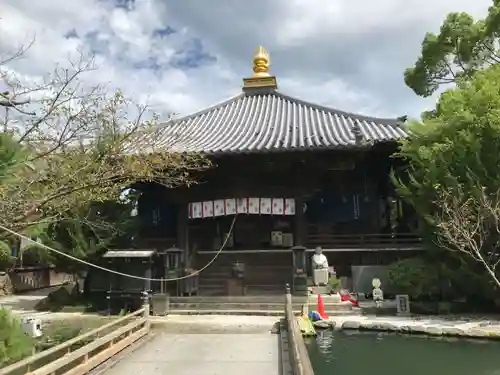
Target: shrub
(60, 334)
(334, 283)
(14, 343)
(6, 259)
(58, 299)
(415, 277)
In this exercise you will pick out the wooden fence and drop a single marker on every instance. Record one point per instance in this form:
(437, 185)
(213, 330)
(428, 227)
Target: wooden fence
(299, 357)
(331, 240)
(83, 353)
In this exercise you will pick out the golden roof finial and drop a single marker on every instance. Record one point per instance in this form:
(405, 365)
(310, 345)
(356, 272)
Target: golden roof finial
(261, 80)
(261, 63)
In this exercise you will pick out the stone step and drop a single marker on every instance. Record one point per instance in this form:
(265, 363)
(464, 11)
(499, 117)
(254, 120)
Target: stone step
(280, 281)
(252, 289)
(277, 288)
(252, 268)
(258, 272)
(249, 276)
(332, 306)
(314, 300)
(259, 291)
(210, 282)
(231, 312)
(254, 312)
(212, 292)
(213, 276)
(230, 306)
(237, 299)
(354, 312)
(250, 306)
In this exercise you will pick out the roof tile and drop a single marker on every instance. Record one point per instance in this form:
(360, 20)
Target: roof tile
(271, 122)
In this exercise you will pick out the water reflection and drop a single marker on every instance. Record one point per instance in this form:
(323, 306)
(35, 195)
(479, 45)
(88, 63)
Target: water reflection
(357, 353)
(324, 341)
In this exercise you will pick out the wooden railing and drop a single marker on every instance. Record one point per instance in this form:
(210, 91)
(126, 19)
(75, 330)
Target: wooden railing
(299, 357)
(363, 240)
(105, 342)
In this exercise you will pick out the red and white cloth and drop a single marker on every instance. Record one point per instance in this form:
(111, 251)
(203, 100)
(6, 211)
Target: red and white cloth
(251, 205)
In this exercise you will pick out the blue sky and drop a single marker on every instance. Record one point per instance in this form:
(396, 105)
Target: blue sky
(180, 56)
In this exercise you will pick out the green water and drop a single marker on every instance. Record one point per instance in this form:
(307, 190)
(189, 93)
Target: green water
(346, 353)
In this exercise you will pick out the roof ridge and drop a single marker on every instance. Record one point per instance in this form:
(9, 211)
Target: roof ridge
(379, 120)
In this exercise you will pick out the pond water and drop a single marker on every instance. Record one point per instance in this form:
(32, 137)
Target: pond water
(359, 353)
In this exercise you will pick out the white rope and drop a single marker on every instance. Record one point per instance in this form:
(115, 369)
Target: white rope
(120, 273)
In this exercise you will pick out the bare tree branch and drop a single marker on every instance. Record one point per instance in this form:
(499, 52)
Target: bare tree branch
(68, 145)
(470, 225)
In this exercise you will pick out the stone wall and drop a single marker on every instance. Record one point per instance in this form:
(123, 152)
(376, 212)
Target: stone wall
(32, 278)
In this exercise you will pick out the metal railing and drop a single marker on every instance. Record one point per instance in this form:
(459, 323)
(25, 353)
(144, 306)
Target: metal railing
(104, 344)
(299, 357)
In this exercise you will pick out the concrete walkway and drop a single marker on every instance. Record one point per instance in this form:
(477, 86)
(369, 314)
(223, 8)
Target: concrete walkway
(206, 345)
(203, 354)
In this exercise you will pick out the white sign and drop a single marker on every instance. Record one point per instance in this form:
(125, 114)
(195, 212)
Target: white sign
(32, 327)
(403, 303)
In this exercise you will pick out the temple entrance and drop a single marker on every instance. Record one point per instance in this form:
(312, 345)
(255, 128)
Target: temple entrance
(251, 239)
(263, 273)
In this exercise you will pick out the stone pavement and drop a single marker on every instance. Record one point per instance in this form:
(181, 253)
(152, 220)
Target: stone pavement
(429, 325)
(23, 305)
(203, 354)
(214, 323)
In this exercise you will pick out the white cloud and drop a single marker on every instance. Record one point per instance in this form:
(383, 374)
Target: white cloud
(350, 55)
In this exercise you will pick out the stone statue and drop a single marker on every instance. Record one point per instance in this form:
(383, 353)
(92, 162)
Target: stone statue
(319, 267)
(377, 293)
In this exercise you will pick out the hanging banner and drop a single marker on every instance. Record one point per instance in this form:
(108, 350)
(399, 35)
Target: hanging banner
(219, 207)
(278, 205)
(251, 205)
(289, 206)
(242, 206)
(265, 206)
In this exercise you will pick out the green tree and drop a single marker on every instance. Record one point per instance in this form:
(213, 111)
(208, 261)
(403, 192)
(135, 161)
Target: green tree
(86, 235)
(462, 47)
(453, 177)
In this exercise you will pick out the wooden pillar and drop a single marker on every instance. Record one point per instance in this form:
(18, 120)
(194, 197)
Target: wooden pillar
(182, 228)
(147, 275)
(300, 230)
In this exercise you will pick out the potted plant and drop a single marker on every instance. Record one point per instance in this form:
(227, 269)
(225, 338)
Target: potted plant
(334, 284)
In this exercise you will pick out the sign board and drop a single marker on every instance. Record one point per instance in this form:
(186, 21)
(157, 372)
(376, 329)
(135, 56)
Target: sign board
(403, 304)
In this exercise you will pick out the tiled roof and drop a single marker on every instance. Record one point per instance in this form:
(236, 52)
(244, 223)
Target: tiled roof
(272, 122)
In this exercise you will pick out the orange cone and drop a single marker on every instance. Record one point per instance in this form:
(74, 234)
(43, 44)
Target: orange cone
(321, 308)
